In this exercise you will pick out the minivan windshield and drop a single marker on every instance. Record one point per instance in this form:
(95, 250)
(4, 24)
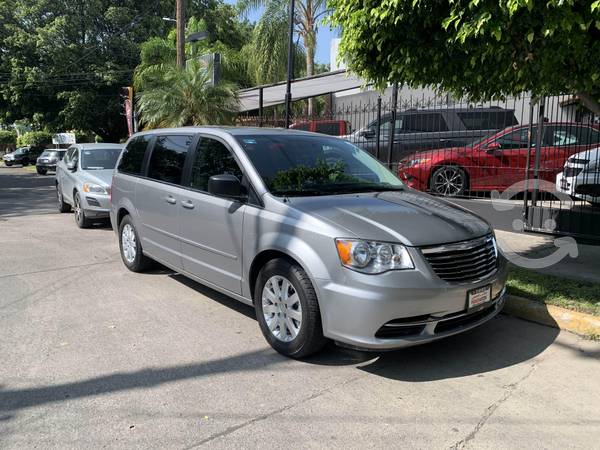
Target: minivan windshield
(99, 158)
(295, 165)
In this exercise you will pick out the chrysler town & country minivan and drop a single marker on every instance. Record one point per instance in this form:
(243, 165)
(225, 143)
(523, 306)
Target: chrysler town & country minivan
(315, 233)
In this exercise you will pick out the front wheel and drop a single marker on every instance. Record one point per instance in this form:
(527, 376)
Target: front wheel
(449, 181)
(131, 248)
(8, 164)
(80, 219)
(287, 309)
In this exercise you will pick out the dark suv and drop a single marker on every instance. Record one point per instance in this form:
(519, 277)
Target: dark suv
(22, 155)
(427, 129)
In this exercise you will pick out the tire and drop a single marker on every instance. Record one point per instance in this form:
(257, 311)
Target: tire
(25, 162)
(80, 219)
(8, 164)
(63, 207)
(136, 261)
(449, 181)
(302, 337)
(41, 171)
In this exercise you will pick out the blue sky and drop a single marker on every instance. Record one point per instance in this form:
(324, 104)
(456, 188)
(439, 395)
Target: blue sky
(324, 37)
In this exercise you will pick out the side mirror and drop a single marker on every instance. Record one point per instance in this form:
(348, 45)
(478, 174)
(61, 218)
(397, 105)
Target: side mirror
(492, 148)
(369, 133)
(227, 185)
(72, 166)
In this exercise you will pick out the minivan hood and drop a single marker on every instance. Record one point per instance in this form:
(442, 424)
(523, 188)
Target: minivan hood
(101, 177)
(408, 217)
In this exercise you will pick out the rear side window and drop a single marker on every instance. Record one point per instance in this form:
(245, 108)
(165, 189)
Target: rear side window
(330, 128)
(418, 123)
(212, 158)
(168, 158)
(488, 120)
(133, 155)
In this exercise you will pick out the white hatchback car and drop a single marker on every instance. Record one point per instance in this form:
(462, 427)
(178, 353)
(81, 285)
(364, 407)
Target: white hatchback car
(581, 176)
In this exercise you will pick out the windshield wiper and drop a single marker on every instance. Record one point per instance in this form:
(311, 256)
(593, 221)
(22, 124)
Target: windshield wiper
(298, 193)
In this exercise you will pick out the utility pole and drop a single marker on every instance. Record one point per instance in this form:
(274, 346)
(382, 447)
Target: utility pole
(290, 67)
(180, 17)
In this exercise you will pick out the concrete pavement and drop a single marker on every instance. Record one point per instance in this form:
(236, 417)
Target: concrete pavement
(96, 356)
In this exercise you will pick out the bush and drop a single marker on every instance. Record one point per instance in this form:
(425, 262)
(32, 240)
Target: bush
(8, 137)
(35, 139)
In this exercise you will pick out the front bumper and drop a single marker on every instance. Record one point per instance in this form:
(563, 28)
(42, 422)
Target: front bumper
(96, 205)
(423, 307)
(45, 165)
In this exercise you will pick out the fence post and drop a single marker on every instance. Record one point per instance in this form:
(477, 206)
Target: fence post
(393, 124)
(538, 153)
(528, 163)
(377, 148)
(260, 107)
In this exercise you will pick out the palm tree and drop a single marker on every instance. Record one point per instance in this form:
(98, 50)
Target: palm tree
(271, 31)
(174, 97)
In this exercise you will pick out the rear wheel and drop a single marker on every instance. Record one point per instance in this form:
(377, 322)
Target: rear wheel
(25, 162)
(80, 219)
(131, 248)
(287, 309)
(449, 181)
(62, 206)
(8, 164)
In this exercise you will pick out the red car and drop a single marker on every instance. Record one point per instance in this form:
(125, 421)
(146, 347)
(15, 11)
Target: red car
(326, 126)
(498, 161)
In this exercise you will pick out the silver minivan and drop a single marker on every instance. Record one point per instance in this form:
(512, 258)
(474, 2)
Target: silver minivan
(316, 234)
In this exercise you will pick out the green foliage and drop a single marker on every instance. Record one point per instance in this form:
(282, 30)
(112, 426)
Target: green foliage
(482, 49)
(35, 139)
(185, 97)
(298, 178)
(8, 137)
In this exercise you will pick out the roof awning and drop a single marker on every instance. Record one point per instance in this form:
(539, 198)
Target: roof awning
(274, 94)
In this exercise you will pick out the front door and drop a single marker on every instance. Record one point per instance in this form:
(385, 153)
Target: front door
(158, 199)
(211, 226)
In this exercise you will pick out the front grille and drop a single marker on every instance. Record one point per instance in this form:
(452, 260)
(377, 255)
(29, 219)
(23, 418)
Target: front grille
(463, 262)
(462, 321)
(572, 171)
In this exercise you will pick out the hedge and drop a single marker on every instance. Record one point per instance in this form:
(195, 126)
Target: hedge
(35, 139)
(8, 137)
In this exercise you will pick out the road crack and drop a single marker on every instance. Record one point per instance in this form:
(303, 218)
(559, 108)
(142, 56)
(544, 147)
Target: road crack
(265, 416)
(509, 390)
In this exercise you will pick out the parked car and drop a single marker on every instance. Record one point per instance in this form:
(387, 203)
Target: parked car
(315, 233)
(325, 126)
(498, 161)
(428, 129)
(83, 180)
(580, 177)
(22, 155)
(48, 160)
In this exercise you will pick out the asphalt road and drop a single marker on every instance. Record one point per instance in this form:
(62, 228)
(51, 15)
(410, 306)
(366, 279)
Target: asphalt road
(96, 356)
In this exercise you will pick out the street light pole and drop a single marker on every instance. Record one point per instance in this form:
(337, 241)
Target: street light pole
(290, 68)
(180, 17)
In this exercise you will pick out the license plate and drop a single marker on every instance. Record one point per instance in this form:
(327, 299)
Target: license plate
(479, 296)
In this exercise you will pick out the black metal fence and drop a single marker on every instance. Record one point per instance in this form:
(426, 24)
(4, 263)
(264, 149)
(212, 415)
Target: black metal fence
(544, 150)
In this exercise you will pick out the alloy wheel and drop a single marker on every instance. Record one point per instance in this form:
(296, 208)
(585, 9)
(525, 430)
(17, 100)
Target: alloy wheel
(448, 181)
(77, 208)
(128, 243)
(281, 308)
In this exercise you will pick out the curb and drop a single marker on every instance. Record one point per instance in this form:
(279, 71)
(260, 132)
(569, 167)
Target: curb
(553, 316)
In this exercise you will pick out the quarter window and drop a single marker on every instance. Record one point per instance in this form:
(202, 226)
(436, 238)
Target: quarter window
(559, 135)
(430, 122)
(133, 155)
(212, 158)
(168, 158)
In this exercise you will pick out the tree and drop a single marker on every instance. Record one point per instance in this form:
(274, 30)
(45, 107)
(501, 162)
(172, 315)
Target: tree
(272, 31)
(186, 97)
(66, 61)
(481, 49)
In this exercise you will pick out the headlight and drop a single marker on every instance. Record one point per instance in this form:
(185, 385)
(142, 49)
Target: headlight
(373, 257)
(414, 162)
(94, 188)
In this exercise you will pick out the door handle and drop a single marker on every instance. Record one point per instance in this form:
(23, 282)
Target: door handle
(187, 204)
(170, 200)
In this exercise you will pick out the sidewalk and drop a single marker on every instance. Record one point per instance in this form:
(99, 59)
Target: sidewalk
(586, 266)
